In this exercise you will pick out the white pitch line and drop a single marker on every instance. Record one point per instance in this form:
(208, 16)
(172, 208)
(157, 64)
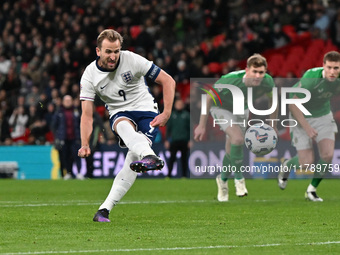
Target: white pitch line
(167, 248)
(70, 203)
(85, 203)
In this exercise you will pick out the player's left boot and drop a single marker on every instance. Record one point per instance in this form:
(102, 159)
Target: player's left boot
(150, 162)
(240, 186)
(222, 189)
(80, 177)
(312, 196)
(282, 177)
(102, 215)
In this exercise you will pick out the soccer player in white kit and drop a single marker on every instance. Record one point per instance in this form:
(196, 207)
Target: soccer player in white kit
(118, 78)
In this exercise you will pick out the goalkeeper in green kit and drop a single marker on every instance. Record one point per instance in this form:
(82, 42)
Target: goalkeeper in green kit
(323, 83)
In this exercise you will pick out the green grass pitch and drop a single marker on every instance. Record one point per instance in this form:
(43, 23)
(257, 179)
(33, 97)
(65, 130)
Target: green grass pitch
(160, 216)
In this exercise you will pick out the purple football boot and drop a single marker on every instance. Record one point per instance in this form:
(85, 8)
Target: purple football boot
(150, 162)
(101, 216)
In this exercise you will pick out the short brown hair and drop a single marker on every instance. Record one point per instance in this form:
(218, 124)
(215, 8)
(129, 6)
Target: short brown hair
(332, 56)
(109, 34)
(256, 60)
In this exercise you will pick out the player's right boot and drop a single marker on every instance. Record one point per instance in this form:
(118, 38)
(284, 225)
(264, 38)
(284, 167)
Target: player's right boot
(223, 190)
(102, 215)
(240, 186)
(282, 177)
(312, 196)
(67, 176)
(150, 162)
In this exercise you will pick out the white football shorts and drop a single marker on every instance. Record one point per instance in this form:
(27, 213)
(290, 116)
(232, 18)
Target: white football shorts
(224, 118)
(324, 125)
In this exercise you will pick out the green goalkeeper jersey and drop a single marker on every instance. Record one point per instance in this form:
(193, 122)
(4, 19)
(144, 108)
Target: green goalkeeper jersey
(237, 79)
(321, 91)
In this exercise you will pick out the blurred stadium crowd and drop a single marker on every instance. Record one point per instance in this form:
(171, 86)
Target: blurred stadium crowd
(46, 44)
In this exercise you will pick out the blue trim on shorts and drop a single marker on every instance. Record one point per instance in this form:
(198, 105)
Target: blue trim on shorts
(142, 121)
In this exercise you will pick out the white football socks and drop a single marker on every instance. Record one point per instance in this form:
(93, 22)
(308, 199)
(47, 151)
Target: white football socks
(136, 142)
(311, 188)
(122, 183)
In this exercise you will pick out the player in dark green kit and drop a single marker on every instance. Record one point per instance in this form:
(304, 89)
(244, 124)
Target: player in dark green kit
(323, 83)
(254, 76)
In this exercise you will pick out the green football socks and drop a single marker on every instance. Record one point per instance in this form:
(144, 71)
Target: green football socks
(293, 163)
(226, 166)
(236, 158)
(321, 169)
(233, 162)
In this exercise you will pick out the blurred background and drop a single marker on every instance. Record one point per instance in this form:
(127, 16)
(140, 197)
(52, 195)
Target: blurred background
(45, 46)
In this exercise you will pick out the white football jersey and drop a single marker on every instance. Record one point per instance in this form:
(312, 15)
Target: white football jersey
(123, 89)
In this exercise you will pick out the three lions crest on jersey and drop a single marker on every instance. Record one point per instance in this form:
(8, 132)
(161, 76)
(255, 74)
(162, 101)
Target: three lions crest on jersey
(127, 76)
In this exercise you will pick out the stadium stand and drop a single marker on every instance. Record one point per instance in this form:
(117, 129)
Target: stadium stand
(46, 44)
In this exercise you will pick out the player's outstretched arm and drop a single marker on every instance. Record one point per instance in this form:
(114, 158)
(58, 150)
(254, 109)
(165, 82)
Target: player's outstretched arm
(86, 122)
(200, 130)
(169, 85)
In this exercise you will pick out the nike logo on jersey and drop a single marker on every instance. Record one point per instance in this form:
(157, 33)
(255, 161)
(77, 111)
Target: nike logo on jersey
(103, 86)
(320, 90)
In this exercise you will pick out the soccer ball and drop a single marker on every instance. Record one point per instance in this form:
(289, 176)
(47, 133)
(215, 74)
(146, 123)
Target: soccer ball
(260, 139)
